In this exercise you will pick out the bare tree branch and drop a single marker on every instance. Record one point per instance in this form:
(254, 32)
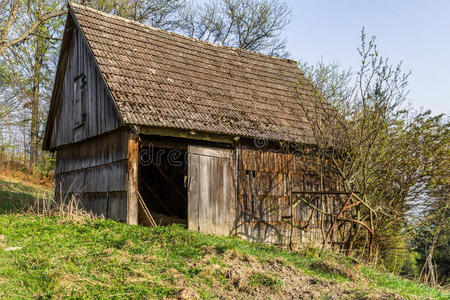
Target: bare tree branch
(24, 35)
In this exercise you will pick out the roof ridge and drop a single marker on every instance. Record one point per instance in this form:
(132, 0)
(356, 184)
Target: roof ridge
(72, 4)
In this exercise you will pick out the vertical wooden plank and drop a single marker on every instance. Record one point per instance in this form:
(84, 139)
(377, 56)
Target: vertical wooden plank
(193, 191)
(204, 198)
(223, 205)
(229, 192)
(217, 198)
(105, 107)
(210, 208)
(132, 179)
(92, 113)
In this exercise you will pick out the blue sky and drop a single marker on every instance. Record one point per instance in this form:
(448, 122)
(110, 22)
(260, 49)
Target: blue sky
(415, 32)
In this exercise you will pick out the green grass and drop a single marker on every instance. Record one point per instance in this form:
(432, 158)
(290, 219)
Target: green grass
(96, 258)
(265, 279)
(401, 285)
(103, 258)
(16, 195)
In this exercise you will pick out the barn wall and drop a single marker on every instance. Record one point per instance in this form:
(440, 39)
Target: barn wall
(265, 181)
(95, 171)
(98, 106)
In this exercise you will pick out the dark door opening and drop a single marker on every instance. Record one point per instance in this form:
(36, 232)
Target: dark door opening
(162, 184)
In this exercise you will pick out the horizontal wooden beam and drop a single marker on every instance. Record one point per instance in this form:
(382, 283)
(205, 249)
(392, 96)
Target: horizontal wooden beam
(163, 142)
(188, 134)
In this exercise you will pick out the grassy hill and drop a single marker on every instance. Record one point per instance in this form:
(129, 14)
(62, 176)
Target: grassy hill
(16, 191)
(59, 257)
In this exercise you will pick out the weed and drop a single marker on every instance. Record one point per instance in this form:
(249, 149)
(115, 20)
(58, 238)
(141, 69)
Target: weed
(265, 279)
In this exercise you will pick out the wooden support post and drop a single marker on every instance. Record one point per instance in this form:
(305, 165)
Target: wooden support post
(330, 231)
(132, 179)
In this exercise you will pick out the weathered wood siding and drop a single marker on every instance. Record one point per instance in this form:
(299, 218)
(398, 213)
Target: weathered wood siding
(98, 107)
(265, 181)
(95, 171)
(212, 190)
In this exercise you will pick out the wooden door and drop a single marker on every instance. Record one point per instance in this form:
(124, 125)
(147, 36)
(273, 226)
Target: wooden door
(211, 190)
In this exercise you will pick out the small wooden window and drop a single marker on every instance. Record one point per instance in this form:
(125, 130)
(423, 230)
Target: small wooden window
(79, 100)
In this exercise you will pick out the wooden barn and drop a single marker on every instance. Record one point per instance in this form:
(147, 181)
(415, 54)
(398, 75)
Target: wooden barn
(143, 120)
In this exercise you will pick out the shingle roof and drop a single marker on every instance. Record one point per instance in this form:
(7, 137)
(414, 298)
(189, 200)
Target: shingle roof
(163, 79)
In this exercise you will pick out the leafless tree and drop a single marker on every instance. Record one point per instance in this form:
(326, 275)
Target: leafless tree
(352, 123)
(254, 25)
(29, 44)
(164, 14)
(17, 23)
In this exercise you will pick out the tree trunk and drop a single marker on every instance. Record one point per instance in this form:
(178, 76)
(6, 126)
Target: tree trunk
(34, 132)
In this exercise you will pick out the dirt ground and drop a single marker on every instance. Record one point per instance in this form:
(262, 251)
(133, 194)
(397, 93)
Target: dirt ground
(277, 279)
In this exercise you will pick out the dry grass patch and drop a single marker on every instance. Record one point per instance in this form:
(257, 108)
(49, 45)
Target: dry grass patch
(334, 268)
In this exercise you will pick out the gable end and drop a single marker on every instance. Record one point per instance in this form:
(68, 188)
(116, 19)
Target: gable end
(81, 106)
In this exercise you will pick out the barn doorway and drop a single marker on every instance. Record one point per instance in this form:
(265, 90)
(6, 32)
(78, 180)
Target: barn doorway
(187, 184)
(162, 184)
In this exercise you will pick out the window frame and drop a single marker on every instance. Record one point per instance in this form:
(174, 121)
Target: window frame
(79, 100)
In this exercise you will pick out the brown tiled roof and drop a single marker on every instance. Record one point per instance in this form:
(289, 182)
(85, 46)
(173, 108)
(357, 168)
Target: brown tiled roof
(163, 79)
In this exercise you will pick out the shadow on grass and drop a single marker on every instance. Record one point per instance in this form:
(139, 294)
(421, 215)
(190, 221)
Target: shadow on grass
(16, 196)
